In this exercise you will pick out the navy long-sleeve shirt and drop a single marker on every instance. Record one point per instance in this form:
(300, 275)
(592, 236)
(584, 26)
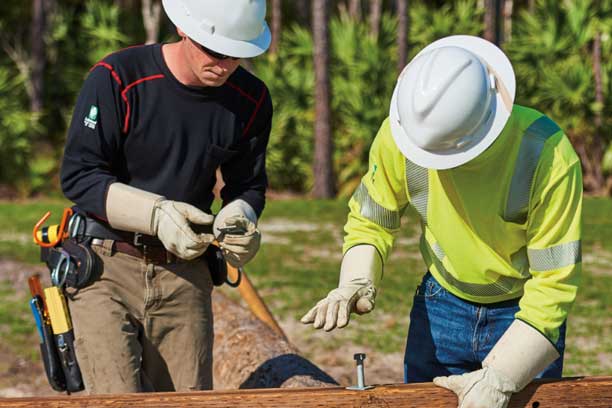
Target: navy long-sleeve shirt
(135, 123)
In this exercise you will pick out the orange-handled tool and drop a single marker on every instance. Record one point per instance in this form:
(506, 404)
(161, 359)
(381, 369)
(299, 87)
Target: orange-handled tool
(48, 236)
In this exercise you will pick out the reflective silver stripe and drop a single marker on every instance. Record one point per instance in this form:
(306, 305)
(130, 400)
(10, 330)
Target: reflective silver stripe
(555, 257)
(418, 187)
(527, 161)
(501, 286)
(374, 211)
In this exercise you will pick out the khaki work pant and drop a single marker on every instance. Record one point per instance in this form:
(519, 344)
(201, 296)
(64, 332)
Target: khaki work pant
(144, 327)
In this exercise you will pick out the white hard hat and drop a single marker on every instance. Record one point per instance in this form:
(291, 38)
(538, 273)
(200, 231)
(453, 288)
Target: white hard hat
(236, 28)
(452, 101)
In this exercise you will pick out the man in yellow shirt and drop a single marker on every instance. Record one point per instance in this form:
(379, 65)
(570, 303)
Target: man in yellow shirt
(498, 189)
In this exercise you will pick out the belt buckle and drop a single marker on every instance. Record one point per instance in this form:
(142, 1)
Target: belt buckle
(139, 244)
(138, 239)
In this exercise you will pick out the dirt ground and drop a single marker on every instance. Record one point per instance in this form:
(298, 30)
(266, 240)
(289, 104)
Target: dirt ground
(380, 368)
(21, 377)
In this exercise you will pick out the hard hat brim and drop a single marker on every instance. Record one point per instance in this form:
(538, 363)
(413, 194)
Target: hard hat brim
(217, 42)
(497, 60)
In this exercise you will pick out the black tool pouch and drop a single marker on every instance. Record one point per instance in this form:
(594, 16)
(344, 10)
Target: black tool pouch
(50, 357)
(72, 264)
(53, 366)
(67, 356)
(216, 265)
(87, 263)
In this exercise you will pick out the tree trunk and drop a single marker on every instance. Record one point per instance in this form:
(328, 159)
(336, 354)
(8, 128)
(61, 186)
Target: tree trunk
(151, 14)
(276, 26)
(593, 178)
(590, 153)
(375, 14)
(507, 25)
(402, 34)
(248, 354)
(492, 21)
(531, 6)
(599, 98)
(37, 58)
(322, 164)
(354, 9)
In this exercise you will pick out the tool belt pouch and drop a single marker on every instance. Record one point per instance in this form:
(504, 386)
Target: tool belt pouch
(51, 360)
(70, 366)
(73, 264)
(216, 265)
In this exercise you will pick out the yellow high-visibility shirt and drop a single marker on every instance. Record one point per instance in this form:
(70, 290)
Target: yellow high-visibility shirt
(505, 225)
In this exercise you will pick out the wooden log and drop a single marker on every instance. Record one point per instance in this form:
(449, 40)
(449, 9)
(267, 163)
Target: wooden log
(254, 301)
(249, 354)
(587, 392)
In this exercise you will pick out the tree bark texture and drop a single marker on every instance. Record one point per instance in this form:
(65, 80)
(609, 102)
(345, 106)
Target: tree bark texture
(248, 354)
(508, 10)
(375, 14)
(531, 5)
(276, 25)
(599, 98)
(323, 146)
(402, 34)
(492, 21)
(592, 153)
(37, 58)
(151, 14)
(354, 9)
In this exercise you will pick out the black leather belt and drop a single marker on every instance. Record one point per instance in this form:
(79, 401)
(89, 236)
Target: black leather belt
(144, 246)
(98, 229)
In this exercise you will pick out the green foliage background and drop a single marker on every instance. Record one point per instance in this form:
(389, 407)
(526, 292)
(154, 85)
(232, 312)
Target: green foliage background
(551, 50)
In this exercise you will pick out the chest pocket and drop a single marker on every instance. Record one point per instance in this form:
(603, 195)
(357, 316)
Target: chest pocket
(215, 156)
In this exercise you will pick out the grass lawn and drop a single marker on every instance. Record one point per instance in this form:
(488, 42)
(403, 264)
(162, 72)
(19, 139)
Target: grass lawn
(299, 263)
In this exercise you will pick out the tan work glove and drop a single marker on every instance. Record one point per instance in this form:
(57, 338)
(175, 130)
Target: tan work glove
(235, 228)
(171, 223)
(360, 273)
(135, 210)
(520, 354)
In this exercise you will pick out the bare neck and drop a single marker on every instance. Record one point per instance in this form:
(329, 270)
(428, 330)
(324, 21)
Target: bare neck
(176, 60)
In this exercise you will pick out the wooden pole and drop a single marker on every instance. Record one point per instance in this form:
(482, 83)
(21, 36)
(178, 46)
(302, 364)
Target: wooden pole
(585, 392)
(253, 300)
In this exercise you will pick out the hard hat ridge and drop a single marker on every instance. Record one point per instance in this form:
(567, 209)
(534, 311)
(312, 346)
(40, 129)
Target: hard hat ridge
(430, 92)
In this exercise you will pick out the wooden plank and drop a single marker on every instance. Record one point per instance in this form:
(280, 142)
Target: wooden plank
(583, 392)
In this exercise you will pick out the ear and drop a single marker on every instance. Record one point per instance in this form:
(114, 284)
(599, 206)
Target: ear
(181, 33)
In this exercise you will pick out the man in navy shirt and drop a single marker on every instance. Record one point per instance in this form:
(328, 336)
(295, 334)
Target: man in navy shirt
(150, 127)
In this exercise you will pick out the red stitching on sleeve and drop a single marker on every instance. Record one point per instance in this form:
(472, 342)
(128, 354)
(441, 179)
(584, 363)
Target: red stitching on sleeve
(259, 102)
(241, 92)
(111, 69)
(124, 97)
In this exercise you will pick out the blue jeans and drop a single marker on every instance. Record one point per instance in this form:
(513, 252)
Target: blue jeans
(449, 335)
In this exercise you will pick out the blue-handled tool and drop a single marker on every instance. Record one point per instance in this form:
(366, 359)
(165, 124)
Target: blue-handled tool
(37, 312)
